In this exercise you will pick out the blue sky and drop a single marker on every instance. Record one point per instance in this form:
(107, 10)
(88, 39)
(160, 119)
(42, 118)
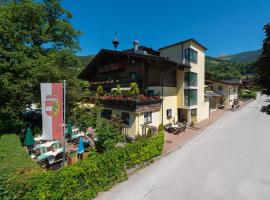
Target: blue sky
(223, 26)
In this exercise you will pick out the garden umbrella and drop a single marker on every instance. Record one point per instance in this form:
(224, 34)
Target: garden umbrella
(29, 140)
(80, 147)
(69, 129)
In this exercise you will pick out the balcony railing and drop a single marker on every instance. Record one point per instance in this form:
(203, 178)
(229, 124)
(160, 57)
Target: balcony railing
(136, 104)
(109, 84)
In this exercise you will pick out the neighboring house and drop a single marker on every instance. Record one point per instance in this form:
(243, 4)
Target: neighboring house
(226, 91)
(171, 83)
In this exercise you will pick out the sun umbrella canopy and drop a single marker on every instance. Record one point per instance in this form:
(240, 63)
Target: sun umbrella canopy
(29, 140)
(80, 147)
(69, 129)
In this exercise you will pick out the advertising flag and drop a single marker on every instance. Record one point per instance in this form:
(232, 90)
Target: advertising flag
(52, 110)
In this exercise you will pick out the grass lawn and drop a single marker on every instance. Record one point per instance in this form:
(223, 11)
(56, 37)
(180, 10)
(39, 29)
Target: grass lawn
(13, 156)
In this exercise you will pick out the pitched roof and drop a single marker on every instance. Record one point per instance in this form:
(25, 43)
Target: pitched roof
(182, 42)
(105, 54)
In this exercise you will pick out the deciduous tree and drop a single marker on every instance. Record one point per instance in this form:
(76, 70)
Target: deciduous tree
(37, 44)
(263, 64)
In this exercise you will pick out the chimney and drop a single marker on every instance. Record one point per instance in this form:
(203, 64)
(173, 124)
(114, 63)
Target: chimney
(136, 45)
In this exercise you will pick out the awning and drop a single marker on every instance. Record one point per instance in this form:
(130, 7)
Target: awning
(211, 94)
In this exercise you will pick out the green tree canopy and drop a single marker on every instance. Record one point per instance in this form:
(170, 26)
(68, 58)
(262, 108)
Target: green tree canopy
(263, 64)
(37, 44)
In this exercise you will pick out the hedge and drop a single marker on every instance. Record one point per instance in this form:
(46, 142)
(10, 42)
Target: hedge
(13, 159)
(85, 179)
(248, 94)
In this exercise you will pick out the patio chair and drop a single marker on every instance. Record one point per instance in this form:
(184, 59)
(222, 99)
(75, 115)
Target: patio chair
(44, 164)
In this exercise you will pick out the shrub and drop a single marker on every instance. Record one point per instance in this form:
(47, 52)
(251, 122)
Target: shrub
(14, 159)
(250, 94)
(84, 118)
(134, 89)
(108, 135)
(85, 179)
(99, 90)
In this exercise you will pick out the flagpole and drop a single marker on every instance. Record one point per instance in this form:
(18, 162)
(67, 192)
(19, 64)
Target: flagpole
(64, 121)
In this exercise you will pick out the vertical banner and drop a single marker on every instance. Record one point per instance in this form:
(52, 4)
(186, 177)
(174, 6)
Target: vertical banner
(52, 110)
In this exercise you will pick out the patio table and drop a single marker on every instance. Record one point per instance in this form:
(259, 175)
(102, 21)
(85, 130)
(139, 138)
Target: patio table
(46, 144)
(49, 153)
(75, 136)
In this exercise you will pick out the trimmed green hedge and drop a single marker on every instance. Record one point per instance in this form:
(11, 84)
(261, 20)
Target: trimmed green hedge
(13, 159)
(250, 94)
(85, 179)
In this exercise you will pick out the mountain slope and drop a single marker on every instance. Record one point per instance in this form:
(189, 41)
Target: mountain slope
(85, 59)
(226, 69)
(248, 56)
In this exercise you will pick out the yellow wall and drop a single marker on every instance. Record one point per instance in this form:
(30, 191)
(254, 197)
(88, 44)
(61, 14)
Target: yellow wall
(169, 102)
(228, 94)
(175, 54)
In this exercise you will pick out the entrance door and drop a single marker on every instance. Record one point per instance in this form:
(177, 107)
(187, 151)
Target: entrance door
(181, 115)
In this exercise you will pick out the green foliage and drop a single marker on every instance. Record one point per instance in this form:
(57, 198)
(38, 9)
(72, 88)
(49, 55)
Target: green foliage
(13, 159)
(85, 60)
(85, 179)
(248, 94)
(84, 117)
(143, 150)
(117, 122)
(134, 89)
(225, 69)
(149, 133)
(118, 92)
(108, 135)
(99, 90)
(37, 44)
(263, 63)
(160, 128)
(244, 57)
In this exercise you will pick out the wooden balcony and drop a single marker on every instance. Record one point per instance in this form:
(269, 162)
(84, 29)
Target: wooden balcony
(133, 104)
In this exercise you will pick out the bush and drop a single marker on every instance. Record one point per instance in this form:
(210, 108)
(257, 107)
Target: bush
(250, 94)
(85, 179)
(14, 159)
(99, 90)
(134, 89)
(108, 135)
(84, 118)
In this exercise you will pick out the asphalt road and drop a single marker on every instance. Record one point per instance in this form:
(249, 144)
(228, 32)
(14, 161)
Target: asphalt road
(229, 160)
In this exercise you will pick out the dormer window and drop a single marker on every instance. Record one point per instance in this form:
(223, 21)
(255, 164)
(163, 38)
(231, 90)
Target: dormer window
(191, 55)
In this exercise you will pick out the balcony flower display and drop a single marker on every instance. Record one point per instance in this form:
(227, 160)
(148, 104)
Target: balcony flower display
(129, 102)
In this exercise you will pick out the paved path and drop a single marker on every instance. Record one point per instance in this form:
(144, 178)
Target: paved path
(229, 160)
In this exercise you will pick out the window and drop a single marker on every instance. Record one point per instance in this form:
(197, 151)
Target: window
(220, 87)
(125, 118)
(106, 114)
(190, 97)
(190, 55)
(169, 113)
(193, 112)
(190, 79)
(147, 117)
